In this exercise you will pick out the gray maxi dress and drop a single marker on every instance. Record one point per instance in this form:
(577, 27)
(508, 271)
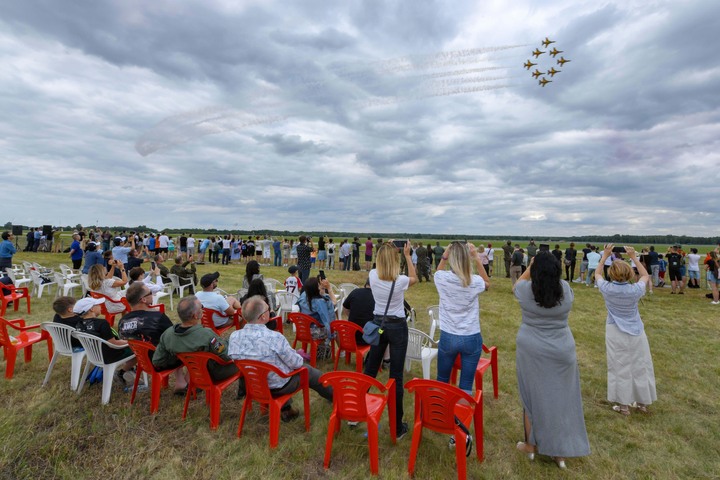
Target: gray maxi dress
(548, 376)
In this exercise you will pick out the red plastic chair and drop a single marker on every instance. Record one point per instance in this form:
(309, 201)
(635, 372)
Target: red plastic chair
(483, 365)
(207, 321)
(352, 402)
(436, 407)
(256, 389)
(347, 342)
(158, 379)
(303, 334)
(110, 317)
(14, 295)
(196, 363)
(278, 324)
(24, 340)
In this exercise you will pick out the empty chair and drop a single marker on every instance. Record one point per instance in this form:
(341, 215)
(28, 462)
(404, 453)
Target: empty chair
(22, 340)
(93, 349)
(353, 403)
(62, 343)
(438, 407)
(434, 314)
(287, 303)
(345, 337)
(177, 286)
(483, 365)
(421, 348)
(65, 284)
(10, 293)
(257, 390)
(40, 283)
(158, 378)
(273, 285)
(165, 292)
(17, 279)
(69, 273)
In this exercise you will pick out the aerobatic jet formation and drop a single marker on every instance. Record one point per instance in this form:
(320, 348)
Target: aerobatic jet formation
(555, 51)
(537, 73)
(550, 70)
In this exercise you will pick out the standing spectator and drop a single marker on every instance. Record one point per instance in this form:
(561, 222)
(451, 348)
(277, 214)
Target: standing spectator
(92, 257)
(303, 258)
(593, 264)
(293, 252)
(226, 244)
(7, 250)
(712, 264)
(204, 245)
(76, 252)
(584, 263)
(508, 252)
(482, 254)
(438, 251)
(285, 252)
(183, 245)
(630, 377)
(557, 253)
(693, 268)
(459, 312)
(120, 251)
(422, 265)
(547, 367)
(491, 259)
(516, 261)
(37, 235)
(368, 254)
(388, 288)
(321, 252)
(267, 244)
(277, 252)
(570, 262)
(190, 245)
(531, 250)
(675, 262)
(163, 242)
(331, 255)
(356, 254)
(346, 254)
(654, 260)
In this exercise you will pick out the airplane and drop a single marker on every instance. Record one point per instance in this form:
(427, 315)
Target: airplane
(555, 51)
(544, 82)
(537, 73)
(552, 71)
(547, 42)
(537, 53)
(562, 61)
(529, 64)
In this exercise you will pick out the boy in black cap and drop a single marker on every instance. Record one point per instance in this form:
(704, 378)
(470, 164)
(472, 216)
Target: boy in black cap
(293, 284)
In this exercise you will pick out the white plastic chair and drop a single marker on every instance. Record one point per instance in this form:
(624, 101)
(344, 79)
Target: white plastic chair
(41, 269)
(434, 313)
(17, 280)
(347, 288)
(68, 287)
(273, 285)
(287, 303)
(84, 284)
(339, 297)
(38, 285)
(62, 345)
(411, 318)
(93, 350)
(69, 273)
(167, 291)
(421, 348)
(177, 286)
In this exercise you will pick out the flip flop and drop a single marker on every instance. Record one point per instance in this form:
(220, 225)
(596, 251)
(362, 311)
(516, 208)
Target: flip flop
(622, 411)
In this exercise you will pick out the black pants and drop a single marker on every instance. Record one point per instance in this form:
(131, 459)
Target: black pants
(396, 335)
(570, 271)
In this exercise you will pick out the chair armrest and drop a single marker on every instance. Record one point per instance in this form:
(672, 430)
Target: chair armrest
(488, 350)
(22, 327)
(389, 386)
(19, 321)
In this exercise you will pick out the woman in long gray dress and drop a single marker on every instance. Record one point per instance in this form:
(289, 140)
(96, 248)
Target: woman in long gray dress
(547, 369)
(630, 373)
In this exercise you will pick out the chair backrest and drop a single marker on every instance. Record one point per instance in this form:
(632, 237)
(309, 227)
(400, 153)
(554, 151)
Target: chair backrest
(11, 275)
(196, 363)
(347, 288)
(65, 269)
(92, 345)
(349, 391)
(302, 325)
(286, 300)
(59, 279)
(142, 353)
(434, 313)
(4, 334)
(27, 266)
(435, 403)
(417, 340)
(11, 287)
(61, 336)
(35, 275)
(174, 279)
(272, 285)
(256, 382)
(346, 331)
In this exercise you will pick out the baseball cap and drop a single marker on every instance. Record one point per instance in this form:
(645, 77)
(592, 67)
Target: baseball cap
(208, 279)
(84, 305)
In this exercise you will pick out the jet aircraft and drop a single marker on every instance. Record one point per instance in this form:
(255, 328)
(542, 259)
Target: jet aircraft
(537, 52)
(528, 64)
(552, 71)
(543, 81)
(547, 42)
(562, 61)
(537, 73)
(555, 51)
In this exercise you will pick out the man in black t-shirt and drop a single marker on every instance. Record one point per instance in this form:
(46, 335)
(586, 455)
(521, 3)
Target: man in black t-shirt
(675, 262)
(142, 323)
(359, 305)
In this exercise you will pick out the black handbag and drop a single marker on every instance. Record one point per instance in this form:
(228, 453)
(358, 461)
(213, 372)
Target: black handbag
(371, 330)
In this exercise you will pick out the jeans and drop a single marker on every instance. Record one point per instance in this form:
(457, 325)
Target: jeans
(226, 256)
(278, 259)
(590, 278)
(396, 335)
(469, 347)
(346, 263)
(304, 275)
(294, 383)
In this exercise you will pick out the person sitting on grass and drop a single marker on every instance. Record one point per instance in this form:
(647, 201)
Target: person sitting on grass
(88, 309)
(64, 314)
(256, 342)
(191, 336)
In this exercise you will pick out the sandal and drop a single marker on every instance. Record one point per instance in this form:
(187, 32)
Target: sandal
(642, 408)
(622, 410)
(527, 449)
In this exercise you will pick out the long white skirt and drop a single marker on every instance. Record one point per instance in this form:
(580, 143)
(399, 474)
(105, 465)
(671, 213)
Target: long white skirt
(630, 373)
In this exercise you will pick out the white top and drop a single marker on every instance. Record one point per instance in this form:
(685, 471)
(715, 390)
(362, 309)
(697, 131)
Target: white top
(459, 307)
(214, 301)
(693, 259)
(381, 292)
(593, 260)
(163, 241)
(190, 242)
(490, 253)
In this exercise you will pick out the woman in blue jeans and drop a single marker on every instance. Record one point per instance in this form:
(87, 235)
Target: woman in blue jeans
(460, 312)
(395, 330)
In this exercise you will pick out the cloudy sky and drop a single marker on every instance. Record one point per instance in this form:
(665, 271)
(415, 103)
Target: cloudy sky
(372, 115)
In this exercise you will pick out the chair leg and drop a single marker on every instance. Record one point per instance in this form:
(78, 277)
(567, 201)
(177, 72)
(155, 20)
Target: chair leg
(108, 376)
(50, 368)
(494, 367)
(329, 440)
(373, 446)
(75, 367)
(274, 424)
(83, 378)
(414, 446)
(247, 405)
(426, 367)
(213, 397)
(10, 356)
(460, 453)
(155, 387)
(135, 385)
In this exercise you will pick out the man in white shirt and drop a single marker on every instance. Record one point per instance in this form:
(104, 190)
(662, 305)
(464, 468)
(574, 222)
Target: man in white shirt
(210, 299)
(163, 242)
(190, 245)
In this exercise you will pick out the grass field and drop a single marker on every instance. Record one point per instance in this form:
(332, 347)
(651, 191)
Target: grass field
(53, 433)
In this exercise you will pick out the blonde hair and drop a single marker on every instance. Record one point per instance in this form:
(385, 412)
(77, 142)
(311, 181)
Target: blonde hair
(96, 276)
(620, 271)
(388, 263)
(459, 260)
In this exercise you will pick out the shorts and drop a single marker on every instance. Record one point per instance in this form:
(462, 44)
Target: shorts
(183, 249)
(266, 253)
(368, 258)
(583, 266)
(191, 250)
(293, 255)
(674, 274)
(322, 255)
(694, 274)
(711, 278)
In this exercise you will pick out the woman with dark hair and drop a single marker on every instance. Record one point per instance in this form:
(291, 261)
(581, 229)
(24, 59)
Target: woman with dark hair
(257, 287)
(252, 271)
(546, 363)
(318, 300)
(630, 373)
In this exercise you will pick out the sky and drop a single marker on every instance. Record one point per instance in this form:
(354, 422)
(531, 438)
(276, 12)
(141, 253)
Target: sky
(364, 116)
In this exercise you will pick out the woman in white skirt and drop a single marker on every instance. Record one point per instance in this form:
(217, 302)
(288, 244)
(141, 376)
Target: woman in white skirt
(631, 378)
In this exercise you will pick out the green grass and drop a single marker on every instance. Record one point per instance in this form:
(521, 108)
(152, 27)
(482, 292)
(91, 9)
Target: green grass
(53, 433)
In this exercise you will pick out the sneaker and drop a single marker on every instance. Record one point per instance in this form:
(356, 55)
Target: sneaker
(289, 414)
(403, 430)
(714, 303)
(353, 424)
(129, 377)
(342, 354)
(386, 364)
(468, 445)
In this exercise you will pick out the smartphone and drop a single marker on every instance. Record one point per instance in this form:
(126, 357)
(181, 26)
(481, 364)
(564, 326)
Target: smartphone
(399, 243)
(618, 250)
(544, 247)
(321, 275)
(152, 265)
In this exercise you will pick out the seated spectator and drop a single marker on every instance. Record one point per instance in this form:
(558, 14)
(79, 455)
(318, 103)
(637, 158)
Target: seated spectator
(252, 271)
(102, 281)
(257, 287)
(359, 306)
(210, 299)
(186, 275)
(191, 336)
(256, 342)
(164, 271)
(320, 306)
(89, 309)
(137, 274)
(64, 314)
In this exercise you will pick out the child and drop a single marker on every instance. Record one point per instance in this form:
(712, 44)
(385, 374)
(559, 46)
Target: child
(661, 272)
(64, 314)
(293, 283)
